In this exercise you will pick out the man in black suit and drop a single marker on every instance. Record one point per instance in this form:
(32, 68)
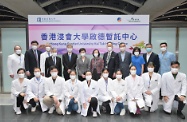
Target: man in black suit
(53, 60)
(110, 61)
(151, 57)
(32, 59)
(69, 60)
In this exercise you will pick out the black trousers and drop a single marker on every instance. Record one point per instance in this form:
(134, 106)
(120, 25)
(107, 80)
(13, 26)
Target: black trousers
(93, 105)
(106, 106)
(80, 78)
(19, 100)
(180, 103)
(32, 102)
(66, 75)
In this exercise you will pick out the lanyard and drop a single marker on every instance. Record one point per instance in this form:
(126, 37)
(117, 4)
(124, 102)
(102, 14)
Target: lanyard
(73, 86)
(106, 82)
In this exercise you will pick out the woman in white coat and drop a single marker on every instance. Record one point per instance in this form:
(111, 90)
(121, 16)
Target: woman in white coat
(174, 89)
(152, 84)
(135, 87)
(72, 93)
(54, 90)
(18, 90)
(89, 93)
(119, 92)
(36, 91)
(105, 97)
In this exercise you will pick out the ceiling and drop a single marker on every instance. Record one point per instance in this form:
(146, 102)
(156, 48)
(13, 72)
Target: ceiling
(159, 10)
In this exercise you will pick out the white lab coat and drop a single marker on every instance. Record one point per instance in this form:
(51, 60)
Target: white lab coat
(153, 85)
(134, 91)
(56, 89)
(14, 62)
(171, 87)
(73, 90)
(36, 89)
(43, 57)
(16, 89)
(86, 93)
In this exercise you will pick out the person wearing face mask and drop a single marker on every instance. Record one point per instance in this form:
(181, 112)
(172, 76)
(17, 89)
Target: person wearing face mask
(135, 89)
(89, 93)
(72, 93)
(138, 61)
(152, 84)
(174, 90)
(69, 60)
(15, 61)
(165, 58)
(53, 60)
(36, 92)
(54, 90)
(83, 64)
(110, 60)
(119, 91)
(151, 57)
(32, 59)
(18, 91)
(96, 65)
(43, 57)
(105, 97)
(124, 60)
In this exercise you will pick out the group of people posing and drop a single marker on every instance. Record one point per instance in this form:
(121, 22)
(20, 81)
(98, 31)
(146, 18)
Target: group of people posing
(88, 86)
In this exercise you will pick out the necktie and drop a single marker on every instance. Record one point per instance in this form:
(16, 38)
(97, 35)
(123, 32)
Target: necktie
(69, 58)
(36, 57)
(54, 60)
(107, 59)
(48, 54)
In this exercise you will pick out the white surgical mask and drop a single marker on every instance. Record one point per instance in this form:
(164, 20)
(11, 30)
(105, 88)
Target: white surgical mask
(37, 74)
(150, 69)
(18, 52)
(21, 75)
(48, 48)
(163, 49)
(136, 53)
(133, 72)
(72, 77)
(96, 54)
(88, 77)
(109, 48)
(54, 54)
(83, 54)
(54, 74)
(122, 49)
(69, 50)
(118, 76)
(174, 70)
(105, 75)
(34, 47)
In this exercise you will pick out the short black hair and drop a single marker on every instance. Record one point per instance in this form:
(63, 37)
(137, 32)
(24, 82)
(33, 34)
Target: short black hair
(109, 42)
(37, 68)
(87, 71)
(53, 67)
(121, 44)
(82, 49)
(151, 64)
(72, 70)
(94, 51)
(35, 42)
(105, 69)
(20, 70)
(136, 48)
(163, 43)
(132, 66)
(175, 62)
(148, 44)
(118, 70)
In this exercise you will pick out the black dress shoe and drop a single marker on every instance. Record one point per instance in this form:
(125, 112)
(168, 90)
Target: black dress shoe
(180, 114)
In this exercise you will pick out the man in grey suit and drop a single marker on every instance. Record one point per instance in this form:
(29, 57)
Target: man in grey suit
(124, 60)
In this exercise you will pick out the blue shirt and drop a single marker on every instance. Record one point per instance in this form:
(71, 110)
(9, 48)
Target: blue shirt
(165, 61)
(138, 61)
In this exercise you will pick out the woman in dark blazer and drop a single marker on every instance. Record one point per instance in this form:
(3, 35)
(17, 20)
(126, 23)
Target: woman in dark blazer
(96, 65)
(83, 64)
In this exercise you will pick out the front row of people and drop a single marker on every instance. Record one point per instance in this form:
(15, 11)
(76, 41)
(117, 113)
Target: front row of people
(141, 92)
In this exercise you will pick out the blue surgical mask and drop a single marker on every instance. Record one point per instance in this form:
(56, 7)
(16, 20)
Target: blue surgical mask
(148, 50)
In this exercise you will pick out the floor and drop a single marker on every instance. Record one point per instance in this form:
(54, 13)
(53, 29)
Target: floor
(7, 115)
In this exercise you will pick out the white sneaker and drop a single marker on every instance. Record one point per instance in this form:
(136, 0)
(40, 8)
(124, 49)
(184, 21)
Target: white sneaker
(146, 108)
(68, 113)
(111, 112)
(18, 111)
(94, 114)
(51, 110)
(33, 109)
(122, 113)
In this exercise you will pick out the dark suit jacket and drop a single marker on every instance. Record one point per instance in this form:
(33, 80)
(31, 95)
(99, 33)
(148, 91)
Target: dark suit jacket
(153, 58)
(49, 63)
(112, 64)
(68, 64)
(30, 61)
